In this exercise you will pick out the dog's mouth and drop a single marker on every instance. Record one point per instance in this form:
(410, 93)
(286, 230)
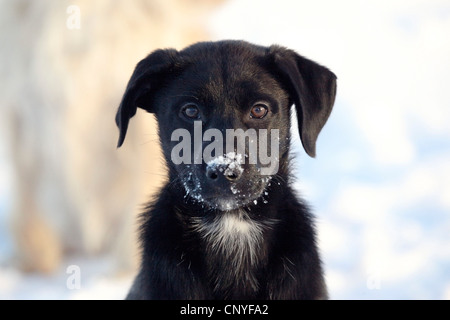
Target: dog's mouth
(225, 202)
(231, 203)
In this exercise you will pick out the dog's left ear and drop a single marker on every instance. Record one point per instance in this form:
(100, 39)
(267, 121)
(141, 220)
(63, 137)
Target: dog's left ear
(312, 88)
(146, 78)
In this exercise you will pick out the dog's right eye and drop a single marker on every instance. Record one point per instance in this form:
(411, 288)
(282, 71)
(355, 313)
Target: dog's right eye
(191, 111)
(259, 111)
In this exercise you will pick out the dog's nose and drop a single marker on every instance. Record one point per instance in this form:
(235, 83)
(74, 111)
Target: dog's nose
(232, 176)
(215, 172)
(211, 173)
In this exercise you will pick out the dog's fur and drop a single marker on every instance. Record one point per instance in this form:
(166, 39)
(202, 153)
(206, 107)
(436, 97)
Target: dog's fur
(249, 237)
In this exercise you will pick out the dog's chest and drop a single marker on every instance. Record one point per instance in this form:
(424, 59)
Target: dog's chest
(234, 251)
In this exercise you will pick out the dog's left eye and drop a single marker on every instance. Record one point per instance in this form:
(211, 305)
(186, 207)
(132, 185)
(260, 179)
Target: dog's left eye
(191, 111)
(259, 111)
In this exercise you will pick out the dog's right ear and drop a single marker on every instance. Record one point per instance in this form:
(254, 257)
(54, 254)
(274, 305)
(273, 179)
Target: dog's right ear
(312, 88)
(143, 83)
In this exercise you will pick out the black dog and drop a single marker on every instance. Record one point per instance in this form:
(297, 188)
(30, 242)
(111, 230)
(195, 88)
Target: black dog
(223, 229)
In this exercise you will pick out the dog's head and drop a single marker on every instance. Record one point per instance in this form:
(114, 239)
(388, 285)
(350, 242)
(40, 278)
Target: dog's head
(223, 110)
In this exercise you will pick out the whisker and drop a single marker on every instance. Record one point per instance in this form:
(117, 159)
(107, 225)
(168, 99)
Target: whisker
(155, 174)
(279, 178)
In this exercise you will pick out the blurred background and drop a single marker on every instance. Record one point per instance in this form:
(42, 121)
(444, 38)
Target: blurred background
(379, 186)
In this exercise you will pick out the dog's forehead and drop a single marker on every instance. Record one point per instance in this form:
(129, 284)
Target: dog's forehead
(226, 53)
(226, 68)
(226, 72)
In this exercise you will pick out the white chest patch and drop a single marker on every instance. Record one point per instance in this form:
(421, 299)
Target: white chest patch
(234, 241)
(234, 236)
(234, 249)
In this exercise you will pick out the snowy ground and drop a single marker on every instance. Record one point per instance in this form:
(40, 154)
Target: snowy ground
(380, 185)
(78, 278)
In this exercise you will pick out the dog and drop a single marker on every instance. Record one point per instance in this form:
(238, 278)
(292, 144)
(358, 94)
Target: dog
(221, 228)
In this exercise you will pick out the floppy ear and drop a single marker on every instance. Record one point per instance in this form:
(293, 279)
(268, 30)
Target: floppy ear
(312, 87)
(143, 82)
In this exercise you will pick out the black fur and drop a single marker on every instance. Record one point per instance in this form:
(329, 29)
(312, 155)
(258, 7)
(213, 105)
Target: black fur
(199, 239)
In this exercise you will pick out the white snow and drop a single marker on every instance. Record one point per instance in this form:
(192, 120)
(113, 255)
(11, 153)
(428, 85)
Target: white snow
(95, 279)
(230, 162)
